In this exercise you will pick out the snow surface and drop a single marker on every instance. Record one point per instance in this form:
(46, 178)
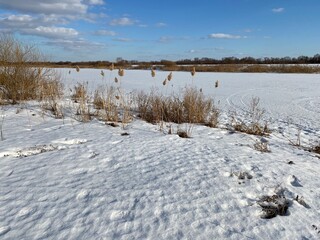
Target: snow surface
(63, 179)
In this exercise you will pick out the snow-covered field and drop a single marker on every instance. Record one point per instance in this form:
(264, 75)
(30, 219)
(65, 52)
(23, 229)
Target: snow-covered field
(62, 179)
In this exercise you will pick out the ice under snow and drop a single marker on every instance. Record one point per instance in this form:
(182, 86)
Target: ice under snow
(63, 179)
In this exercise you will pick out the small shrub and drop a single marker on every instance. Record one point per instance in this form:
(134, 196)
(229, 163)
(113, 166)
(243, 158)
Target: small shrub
(262, 145)
(191, 107)
(273, 205)
(316, 149)
(253, 122)
(80, 93)
(185, 133)
(19, 79)
(81, 98)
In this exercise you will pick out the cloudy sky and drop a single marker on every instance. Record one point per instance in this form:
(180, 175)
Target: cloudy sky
(82, 30)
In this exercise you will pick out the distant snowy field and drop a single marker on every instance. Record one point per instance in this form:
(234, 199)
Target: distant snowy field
(286, 97)
(62, 179)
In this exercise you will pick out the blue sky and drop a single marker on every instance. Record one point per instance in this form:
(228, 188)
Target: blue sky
(89, 30)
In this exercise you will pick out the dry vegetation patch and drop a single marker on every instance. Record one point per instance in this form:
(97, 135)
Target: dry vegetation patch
(19, 80)
(192, 106)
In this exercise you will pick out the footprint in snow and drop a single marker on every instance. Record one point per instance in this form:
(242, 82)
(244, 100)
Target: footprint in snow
(4, 230)
(294, 181)
(83, 195)
(80, 171)
(119, 215)
(67, 141)
(25, 212)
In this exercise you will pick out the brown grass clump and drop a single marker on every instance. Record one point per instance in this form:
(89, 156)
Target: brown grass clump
(193, 71)
(80, 92)
(19, 81)
(81, 98)
(51, 93)
(253, 122)
(121, 72)
(105, 101)
(191, 107)
(153, 73)
(315, 149)
(112, 67)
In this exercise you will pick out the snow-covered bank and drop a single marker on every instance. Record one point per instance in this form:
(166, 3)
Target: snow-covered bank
(61, 179)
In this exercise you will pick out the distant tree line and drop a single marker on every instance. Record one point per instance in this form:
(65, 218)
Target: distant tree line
(120, 62)
(250, 60)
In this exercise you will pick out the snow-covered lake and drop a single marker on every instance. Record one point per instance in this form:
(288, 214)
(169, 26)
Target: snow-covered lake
(286, 97)
(63, 179)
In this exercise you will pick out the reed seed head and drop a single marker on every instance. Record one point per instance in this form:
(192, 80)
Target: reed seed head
(121, 72)
(216, 84)
(112, 67)
(193, 72)
(169, 76)
(102, 73)
(153, 73)
(164, 82)
(116, 80)
(77, 68)
(117, 97)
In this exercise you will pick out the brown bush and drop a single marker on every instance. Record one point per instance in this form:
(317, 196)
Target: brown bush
(191, 107)
(19, 80)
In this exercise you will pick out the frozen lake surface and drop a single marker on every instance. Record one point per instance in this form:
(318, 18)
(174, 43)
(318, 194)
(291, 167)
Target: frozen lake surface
(63, 179)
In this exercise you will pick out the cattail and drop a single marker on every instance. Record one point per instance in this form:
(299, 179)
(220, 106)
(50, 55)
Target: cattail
(216, 84)
(116, 80)
(69, 71)
(193, 72)
(201, 90)
(121, 72)
(112, 67)
(77, 69)
(153, 73)
(164, 82)
(102, 73)
(169, 76)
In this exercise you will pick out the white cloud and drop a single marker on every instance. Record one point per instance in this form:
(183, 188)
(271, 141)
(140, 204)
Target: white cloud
(76, 45)
(122, 39)
(18, 22)
(95, 2)
(60, 7)
(20, 18)
(161, 24)
(45, 6)
(122, 22)
(224, 36)
(277, 10)
(105, 33)
(165, 39)
(53, 32)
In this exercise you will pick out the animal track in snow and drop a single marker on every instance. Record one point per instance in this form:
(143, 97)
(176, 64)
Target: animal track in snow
(4, 230)
(38, 149)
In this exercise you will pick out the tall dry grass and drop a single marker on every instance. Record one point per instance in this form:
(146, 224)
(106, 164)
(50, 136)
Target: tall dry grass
(19, 80)
(191, 106)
